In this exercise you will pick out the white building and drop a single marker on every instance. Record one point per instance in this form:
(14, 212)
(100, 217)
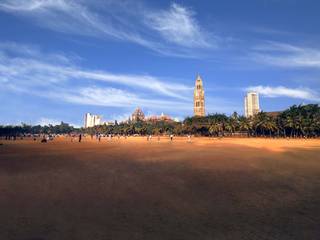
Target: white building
(251, 104)
(91, 120)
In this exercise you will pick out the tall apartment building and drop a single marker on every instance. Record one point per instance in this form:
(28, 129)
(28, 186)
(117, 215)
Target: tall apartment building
(91, 120)
(198, 98)
(251, 104)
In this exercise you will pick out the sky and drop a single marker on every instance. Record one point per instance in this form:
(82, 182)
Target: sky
(60, 59)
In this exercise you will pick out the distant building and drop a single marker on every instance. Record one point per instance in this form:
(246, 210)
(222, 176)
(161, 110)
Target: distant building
(108, 123)
(198, 98)
(274, 114)
(137, 115)
(251, 104)
(162, 117)
(91, 120)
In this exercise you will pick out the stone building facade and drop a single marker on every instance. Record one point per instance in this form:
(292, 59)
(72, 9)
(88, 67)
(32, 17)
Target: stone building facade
(137, 115)
(198, 98)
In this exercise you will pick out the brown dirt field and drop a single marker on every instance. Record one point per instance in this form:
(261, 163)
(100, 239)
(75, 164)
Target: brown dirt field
(134, 189)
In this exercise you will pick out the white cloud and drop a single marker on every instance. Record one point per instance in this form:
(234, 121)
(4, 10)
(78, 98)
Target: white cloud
(48, 121)
(280, 91)
(179, 30)
(118, 117)
(31, 70)
(142, 81)
(112, 97)
(66, 82)
(179, 26)
(286, 55)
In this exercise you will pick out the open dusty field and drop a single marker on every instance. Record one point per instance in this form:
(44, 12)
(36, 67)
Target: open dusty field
(135, 189)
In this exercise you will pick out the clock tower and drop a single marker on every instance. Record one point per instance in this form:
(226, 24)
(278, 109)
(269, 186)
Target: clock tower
(198, 98)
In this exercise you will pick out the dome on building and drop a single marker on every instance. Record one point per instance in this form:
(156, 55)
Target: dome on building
(137, 115)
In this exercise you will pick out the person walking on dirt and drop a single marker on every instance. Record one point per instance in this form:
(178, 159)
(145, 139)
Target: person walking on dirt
(171, 137)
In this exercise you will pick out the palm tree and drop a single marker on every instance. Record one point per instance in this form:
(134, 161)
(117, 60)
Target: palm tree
(270, 125)
(244, 125)
(229, 127)
(214, 129)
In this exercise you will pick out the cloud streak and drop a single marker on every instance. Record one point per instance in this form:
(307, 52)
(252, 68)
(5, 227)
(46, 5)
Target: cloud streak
(172, 32)
(286, 55)
(21, 70)
(281, 91)
(48, 121)
(179, 26)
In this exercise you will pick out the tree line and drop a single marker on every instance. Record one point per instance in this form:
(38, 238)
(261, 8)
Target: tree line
(297, 121)
(23, 129)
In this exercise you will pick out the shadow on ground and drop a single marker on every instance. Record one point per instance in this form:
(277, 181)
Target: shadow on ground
(126, 192)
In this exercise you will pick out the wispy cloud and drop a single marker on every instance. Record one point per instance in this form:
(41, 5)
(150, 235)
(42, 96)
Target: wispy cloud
(281, 91)
(48, 121)
(23, 61)
(286, 55)
(179, 32)
(27, 70)
(113, 97)
(63, 80)
(179, 26)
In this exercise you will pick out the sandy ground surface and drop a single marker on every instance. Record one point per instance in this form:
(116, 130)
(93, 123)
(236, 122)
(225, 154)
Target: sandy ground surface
(135, 189)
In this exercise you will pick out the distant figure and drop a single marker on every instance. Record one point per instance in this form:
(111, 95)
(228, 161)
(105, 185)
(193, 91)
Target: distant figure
(171, 137)
(100, 138)
(80, 137)
(189, 138)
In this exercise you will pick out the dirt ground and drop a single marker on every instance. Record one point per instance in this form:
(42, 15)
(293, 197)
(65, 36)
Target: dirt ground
(138, 189)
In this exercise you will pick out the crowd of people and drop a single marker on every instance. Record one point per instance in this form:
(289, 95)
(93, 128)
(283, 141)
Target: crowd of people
(45, 138)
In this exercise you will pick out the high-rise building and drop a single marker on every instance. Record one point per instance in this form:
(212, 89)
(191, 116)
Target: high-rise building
(198, 98)
(137, 115)
(251, 104)
(91, 120)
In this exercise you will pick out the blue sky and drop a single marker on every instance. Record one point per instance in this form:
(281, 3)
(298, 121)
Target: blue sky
(62, 58)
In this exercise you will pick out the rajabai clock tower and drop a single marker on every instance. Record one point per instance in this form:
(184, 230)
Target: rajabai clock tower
(198, 98)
